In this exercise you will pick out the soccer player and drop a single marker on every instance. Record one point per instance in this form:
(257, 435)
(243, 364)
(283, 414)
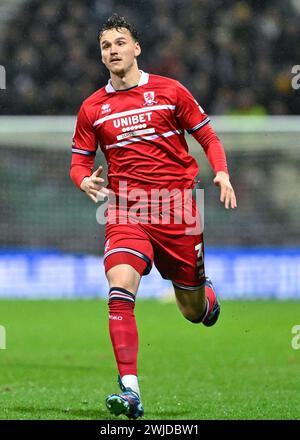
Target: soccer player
(138, 120)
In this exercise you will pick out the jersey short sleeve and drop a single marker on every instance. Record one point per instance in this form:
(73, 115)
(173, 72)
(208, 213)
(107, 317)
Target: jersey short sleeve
(190, 114)
(84, 140)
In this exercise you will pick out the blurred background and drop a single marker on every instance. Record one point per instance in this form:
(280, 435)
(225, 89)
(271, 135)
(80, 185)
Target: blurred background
(236, 57)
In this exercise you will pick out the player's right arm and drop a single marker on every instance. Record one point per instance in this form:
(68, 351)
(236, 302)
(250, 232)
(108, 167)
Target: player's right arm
(84, 149)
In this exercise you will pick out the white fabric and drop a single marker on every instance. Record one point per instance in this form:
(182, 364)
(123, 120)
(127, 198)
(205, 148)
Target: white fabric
(131, 381)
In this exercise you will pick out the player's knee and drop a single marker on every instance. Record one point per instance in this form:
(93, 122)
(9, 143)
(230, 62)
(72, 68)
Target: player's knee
(126, 278)
(192, 315)
(194, 318)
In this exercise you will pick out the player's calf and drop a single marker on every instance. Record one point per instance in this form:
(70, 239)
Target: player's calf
(199, 306)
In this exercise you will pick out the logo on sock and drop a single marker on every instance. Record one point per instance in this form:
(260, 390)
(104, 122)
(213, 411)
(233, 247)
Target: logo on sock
(115, 318)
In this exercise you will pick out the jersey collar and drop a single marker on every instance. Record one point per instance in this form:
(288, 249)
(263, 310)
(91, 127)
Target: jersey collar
(143, 80)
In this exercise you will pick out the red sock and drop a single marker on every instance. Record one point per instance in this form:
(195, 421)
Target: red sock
(123, 330)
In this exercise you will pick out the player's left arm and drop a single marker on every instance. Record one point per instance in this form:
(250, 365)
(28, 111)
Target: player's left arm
(215, 153)
(193, 119)
(227, 194)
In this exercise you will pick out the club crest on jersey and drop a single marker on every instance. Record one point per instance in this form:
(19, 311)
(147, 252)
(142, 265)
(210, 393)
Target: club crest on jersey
(149, 98)
(105, 108)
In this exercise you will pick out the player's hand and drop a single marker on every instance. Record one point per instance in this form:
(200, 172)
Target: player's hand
(92, 186)
(227, 195)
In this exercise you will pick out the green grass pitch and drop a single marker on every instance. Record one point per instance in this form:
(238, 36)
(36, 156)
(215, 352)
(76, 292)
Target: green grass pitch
(59, 364)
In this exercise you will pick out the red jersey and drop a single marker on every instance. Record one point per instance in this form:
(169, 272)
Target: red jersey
(141, 133)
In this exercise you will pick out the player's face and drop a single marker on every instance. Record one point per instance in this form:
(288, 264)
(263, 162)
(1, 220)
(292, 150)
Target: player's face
(119, 50)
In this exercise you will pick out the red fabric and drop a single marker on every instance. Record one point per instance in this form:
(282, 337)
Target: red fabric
(213, 148)
(124, 335)
(142, 139)
(81, 166)
(178, 256)
(85, 137)
(125, 258)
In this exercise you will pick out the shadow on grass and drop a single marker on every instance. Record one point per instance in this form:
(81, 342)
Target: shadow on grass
(165, 414)
(33, 413)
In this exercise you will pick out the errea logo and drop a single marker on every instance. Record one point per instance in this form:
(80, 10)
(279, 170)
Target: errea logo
(105, 108)
(115, 318)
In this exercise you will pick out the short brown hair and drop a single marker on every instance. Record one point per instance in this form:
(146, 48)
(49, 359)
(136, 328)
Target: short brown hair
(116, 21)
